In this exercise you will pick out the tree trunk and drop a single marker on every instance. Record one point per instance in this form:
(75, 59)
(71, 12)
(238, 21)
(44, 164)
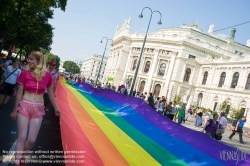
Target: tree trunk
(3, 39)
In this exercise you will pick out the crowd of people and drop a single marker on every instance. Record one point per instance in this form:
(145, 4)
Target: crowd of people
(210, 123)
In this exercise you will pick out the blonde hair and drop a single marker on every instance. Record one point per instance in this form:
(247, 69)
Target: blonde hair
(39, 71)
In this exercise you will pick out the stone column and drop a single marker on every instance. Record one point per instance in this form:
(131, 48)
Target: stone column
(166, 89)
(151, 71)
(127, 65)
(193, 75)
(242, 79)
(183, 72)
(228, 81)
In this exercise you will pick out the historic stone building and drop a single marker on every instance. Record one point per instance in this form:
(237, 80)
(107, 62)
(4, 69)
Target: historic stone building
(203, 68)
(91, 66)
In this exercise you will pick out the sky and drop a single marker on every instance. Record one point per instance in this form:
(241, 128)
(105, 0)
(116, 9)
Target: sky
(79, 30)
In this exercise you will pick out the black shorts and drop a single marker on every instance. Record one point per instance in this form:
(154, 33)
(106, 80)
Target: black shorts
(7, 89)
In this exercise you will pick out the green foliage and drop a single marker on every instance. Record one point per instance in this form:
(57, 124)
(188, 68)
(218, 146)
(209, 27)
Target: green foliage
(71, 66)
(177, 99)
(51, 57)
(26, 22)
(223, 106)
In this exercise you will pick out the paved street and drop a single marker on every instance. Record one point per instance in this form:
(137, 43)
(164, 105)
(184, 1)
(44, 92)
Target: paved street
(234, 142)
(49, 137)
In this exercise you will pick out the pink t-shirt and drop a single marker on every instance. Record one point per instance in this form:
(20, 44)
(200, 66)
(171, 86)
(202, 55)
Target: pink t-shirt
(30, 84)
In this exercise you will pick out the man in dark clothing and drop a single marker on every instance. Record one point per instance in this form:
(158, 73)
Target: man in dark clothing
(151, 100)
(239, 129)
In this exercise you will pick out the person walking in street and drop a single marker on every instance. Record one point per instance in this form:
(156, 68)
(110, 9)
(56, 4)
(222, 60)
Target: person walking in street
(151, 100)
(239, 128)
(9, 83)
(222, 122)
(29, 105)
(51, 69)
(198, 120)
(181, 113)
(211, 126)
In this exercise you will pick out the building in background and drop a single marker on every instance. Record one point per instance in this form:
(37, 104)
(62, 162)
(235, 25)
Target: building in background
(90, 67)
(203, 68)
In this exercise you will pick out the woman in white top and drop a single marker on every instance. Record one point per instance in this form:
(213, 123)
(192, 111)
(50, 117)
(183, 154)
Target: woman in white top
(160, 107)
(11, 74)
(157, 103)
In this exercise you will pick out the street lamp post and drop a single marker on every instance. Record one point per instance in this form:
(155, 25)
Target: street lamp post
(139, 61)
(102, 58)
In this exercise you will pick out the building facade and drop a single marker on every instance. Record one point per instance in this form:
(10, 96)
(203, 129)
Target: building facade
(203, 68)
(91, 66)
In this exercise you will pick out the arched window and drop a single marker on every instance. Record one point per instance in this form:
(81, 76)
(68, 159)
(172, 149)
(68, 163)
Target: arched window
(157, 90)
(134, 64)
(129, 82)
(141, 89)
(204, 78)
(187, 74)
(162, 69)
(147, 66)
(235, 80)
(248, 82)
(200, 96)
(222, 79)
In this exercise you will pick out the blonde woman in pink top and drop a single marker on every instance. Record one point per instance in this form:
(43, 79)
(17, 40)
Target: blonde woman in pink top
(29, 107)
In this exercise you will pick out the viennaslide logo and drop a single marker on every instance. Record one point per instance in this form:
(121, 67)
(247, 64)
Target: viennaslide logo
(236, 155)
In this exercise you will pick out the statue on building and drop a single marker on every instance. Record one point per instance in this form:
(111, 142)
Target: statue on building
(248, 43)
(232, 35)
(116, 28)
(129, 20)
(211, 28)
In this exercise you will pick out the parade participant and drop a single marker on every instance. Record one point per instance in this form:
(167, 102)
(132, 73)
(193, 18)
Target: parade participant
(9, 83)
(181, 113)
(222, 122)
(51, 69)
(211, 126)
(239, 129)
(198, 118)
(29, 105)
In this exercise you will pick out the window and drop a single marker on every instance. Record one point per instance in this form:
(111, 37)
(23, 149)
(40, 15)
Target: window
(134, 64)
(147, 66)
(162, 69)
(141, 89)
(222, 79)
(165, 52)
(157, 90)
(191, 56)
(187, 74)
(235, 80)
(204, 78)
(150, 50)
(248, 82)
(138, 49)
(200, 96)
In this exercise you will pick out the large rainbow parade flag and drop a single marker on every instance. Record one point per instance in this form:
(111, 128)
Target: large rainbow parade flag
(117, 130)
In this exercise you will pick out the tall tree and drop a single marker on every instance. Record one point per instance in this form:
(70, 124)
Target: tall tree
(71, 66)
(25, 22)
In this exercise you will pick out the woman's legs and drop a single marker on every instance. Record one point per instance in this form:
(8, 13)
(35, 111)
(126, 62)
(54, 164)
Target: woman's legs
(22, 126)
(34, 128)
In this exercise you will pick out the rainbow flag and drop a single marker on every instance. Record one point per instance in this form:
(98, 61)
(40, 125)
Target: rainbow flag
(117, 130)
